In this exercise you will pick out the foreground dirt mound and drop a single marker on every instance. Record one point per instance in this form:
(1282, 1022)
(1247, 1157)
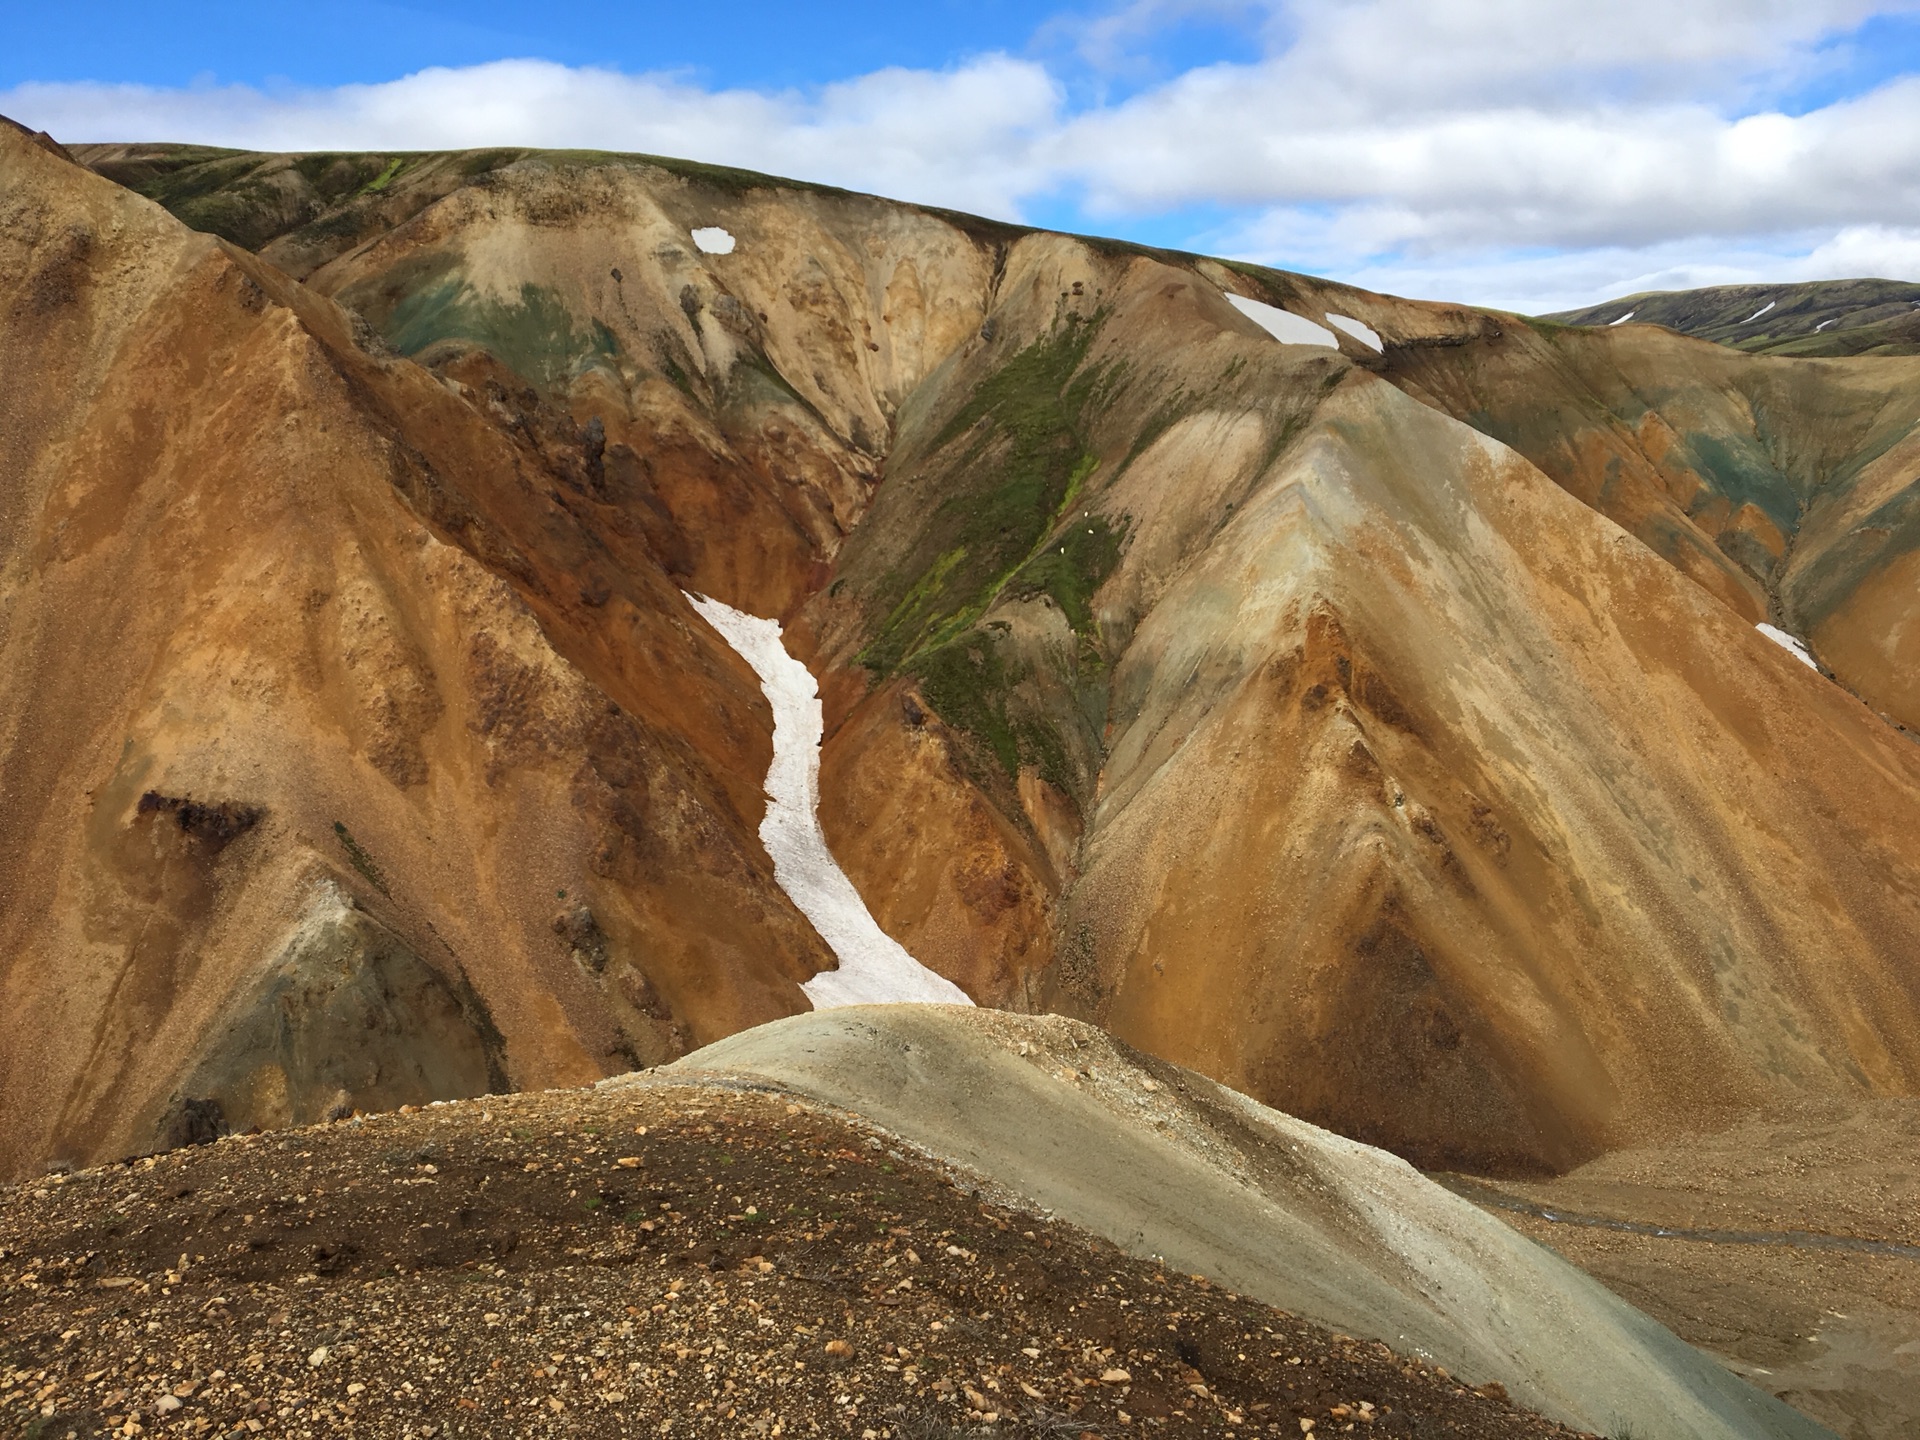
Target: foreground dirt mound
(673, 1260)
(1169, 1165)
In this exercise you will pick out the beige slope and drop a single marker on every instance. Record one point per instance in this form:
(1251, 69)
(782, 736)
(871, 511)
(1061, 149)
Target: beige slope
(1163, 1163)
(332, 621)
(1784, 486)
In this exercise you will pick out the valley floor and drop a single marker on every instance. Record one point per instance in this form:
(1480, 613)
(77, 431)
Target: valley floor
(660, 1260)
(1749, 1268)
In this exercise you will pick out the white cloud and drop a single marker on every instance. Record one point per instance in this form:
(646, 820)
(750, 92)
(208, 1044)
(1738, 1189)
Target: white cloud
(1528, 152)
(963, 137)
(1878, 251)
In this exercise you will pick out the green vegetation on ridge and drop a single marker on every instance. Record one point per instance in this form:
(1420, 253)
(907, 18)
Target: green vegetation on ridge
(1015, 461)
(1024, 461)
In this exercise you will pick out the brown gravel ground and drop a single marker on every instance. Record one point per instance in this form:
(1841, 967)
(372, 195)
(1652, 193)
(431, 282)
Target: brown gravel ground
(1834, 1334)
(646, 1262)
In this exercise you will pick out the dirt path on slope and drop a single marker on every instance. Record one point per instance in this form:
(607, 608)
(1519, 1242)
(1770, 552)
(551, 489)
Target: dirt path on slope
(654, 1261)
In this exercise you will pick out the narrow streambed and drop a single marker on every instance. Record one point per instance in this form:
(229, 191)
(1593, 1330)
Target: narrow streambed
(874, 967)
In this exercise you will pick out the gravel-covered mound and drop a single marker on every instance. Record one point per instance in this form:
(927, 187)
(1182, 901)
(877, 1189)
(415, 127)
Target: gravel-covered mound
(686, 1260)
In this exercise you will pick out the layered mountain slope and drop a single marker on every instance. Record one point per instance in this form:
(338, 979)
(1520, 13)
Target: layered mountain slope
(1416, 798)
(1224, 690)
(345, 764)
(1819, 317)
(1786, 488)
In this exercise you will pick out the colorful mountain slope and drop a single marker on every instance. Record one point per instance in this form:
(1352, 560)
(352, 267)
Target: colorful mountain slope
(1786, 488)
(1230, 692)
(350, 758)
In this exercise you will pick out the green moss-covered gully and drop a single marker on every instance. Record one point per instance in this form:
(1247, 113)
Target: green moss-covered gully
(1014, 462)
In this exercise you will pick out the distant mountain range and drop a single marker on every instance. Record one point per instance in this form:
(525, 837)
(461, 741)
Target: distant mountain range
(1822, 317)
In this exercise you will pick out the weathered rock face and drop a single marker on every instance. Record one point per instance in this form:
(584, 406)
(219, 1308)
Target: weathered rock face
(1231, 693)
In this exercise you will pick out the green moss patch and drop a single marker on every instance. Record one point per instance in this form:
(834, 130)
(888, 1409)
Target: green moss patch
(1014, 460)
(534, 335)
(1012, 466)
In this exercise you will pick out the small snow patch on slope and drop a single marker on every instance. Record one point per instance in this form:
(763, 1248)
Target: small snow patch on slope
(1624, 318)
(1365, 334)
(1786, 641)
(1758, 313)
(874, 968)
(1285, 326)
(712, 240)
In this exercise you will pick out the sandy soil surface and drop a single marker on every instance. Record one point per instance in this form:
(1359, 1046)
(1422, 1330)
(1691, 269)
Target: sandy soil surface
(657, 1261)
(1792, 1250)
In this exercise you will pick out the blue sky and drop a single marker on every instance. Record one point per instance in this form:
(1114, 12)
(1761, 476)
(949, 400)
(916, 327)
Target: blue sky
(1527, 153)
(757, 45)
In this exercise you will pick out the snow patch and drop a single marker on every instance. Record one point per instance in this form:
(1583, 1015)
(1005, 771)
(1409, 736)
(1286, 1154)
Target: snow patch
(712, 240)
(1758, 313)
(1285, 326)
(1823, 325)
(874, 968)
(1624, 318)
(1365, 334)
(1788, 642)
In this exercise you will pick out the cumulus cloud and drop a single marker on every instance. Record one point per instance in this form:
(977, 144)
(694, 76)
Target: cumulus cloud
(1533, 153)
(964, 137)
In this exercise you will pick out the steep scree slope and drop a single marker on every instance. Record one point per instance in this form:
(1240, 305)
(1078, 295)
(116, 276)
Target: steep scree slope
(326, 711)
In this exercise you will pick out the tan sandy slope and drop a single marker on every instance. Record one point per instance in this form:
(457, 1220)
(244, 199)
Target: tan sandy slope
(317, 706)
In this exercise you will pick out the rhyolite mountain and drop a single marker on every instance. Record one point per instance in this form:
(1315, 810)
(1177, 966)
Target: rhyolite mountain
(1383, 732)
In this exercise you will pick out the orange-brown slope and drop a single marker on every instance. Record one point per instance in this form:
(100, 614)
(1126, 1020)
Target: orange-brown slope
(318, 703)
(1418, 799)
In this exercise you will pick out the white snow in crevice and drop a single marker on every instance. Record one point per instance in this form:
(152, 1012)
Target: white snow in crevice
(712, 240)
(1624, 318)
(1285, 326)
(1823, 325)
(1758, 313)
(1365, 334)
(875, 969)
(1787, 642)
